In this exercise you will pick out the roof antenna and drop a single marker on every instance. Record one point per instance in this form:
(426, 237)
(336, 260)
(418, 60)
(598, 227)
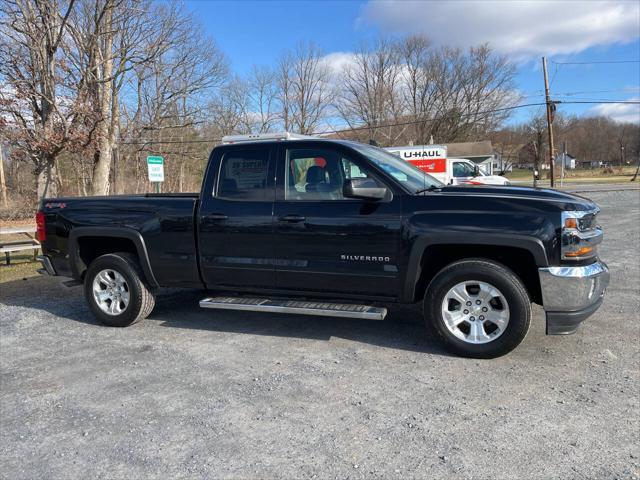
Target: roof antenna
(373, 142)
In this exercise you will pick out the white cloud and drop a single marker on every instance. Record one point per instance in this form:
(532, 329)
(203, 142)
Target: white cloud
(620, 112)
(337, 62)
(522, 29)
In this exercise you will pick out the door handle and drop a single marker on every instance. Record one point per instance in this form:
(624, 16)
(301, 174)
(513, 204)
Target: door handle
(217, 216)
(292, 218)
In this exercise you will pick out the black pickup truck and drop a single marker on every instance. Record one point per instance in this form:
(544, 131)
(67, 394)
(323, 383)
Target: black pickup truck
(292, 225)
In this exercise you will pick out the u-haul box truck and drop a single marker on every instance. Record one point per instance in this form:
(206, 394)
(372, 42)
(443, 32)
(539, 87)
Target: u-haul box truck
(450, 171)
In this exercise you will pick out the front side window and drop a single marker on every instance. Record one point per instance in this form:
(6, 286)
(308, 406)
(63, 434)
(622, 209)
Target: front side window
(318, 174)
(243, 175)
(409, 176)
(462, 169)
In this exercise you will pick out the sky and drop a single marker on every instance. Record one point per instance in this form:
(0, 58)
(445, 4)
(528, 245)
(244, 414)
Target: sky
(569, 32)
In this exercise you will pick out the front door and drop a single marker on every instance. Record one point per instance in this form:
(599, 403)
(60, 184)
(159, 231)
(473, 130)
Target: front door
(463, 172)
(235, 224)
(326, 243)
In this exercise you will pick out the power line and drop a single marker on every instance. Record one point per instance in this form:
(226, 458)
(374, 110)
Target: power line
(566, 99)
(595, 63)
(344, 130)
(374, 127)
(168, 142)
(401, 124)
(623, 90)
(622, 102)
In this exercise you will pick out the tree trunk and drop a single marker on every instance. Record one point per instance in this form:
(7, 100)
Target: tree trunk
(46, 180)
(3, 185)
(635, 175)
(100, 185)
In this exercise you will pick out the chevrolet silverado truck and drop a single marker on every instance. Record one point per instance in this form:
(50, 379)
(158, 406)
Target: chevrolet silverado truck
(292, 224)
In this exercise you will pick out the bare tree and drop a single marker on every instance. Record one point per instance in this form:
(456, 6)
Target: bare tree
(166, 96)
(370, 90)
(229, 109)
(537, 128)
(304, 88)
(34, 105)
(262, 91)
(473, 92)
(112, 38)
(419, 86)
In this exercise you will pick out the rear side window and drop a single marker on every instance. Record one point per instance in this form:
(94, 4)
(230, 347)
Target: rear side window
(243, 175)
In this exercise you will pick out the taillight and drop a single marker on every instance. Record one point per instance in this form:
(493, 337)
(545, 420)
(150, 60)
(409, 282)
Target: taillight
(41, 230)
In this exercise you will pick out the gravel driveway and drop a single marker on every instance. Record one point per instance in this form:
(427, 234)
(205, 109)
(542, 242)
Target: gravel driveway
(196, 393)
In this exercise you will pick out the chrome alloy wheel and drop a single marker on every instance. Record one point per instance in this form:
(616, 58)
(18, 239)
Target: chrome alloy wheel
(111, 292)
(475, 312)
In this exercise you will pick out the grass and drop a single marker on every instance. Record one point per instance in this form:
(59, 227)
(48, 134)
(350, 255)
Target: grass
(623, 175)
(22, 267)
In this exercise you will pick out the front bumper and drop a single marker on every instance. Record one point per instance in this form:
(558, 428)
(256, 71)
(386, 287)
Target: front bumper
(572, 294)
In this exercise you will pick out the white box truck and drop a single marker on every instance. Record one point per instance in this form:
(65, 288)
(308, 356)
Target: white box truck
(450, 171)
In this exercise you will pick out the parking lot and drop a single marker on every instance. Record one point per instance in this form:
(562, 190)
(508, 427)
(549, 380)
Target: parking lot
(197, 393)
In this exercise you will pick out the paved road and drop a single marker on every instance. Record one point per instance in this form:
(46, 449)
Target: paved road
(191, 393)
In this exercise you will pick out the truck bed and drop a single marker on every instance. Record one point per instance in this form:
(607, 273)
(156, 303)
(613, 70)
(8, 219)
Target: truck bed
(166, 223)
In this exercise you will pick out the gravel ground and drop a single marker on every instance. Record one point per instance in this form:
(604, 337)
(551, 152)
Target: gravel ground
(194, 393)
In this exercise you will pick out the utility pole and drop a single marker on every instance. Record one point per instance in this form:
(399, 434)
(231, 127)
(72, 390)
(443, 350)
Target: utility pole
(564, 160)
(550, 107)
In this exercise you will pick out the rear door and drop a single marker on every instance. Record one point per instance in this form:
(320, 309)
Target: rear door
(326, 243)
(235, 223)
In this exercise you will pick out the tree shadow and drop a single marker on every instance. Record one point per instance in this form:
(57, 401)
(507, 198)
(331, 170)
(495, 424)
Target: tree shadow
(402, 329)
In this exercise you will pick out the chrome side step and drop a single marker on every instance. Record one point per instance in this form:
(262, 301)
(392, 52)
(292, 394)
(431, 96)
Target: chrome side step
(295, 306)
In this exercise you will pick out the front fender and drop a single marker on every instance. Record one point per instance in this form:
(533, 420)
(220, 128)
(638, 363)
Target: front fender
(420, 245)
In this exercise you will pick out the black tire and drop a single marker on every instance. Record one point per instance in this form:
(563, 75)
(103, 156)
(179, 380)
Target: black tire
(496, 274)
(141, 297)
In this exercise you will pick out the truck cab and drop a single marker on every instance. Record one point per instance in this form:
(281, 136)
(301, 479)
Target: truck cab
(465, 172)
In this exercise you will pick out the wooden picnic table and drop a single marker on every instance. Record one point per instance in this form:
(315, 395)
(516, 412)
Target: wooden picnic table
(30, 242)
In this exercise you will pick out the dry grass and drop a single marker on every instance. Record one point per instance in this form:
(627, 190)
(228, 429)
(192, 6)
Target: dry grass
(619, 175)
(22, 267)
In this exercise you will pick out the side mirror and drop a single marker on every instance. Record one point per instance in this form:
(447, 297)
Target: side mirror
(476, 170)
(364, 188)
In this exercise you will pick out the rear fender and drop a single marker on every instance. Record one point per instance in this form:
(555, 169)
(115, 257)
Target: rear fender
(77, 264)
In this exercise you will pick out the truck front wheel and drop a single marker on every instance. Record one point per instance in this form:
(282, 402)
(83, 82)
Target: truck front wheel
(478, 307)
(116, 290)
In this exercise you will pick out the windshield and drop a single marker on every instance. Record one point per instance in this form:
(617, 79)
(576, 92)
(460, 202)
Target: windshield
(409, 176)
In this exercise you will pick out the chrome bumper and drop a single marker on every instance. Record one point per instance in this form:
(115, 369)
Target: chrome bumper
(47, 266)
(572, 294)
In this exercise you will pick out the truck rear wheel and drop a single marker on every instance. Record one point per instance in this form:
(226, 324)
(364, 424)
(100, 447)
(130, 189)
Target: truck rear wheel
(478, 307)
(116, 290)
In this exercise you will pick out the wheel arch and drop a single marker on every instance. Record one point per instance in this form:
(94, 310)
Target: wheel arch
(88, 243)
(522, 254)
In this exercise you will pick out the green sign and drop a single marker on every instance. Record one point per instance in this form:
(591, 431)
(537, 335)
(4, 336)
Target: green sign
(155, 166)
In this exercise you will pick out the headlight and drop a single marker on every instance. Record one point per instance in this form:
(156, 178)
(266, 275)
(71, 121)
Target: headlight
(580, 235)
